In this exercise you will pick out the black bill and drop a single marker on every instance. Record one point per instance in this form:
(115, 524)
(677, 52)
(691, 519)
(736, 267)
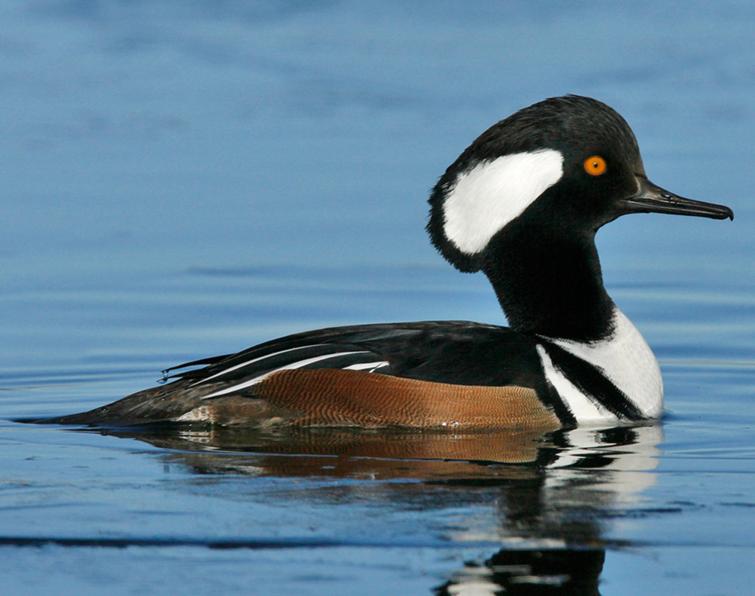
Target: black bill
(654, 199)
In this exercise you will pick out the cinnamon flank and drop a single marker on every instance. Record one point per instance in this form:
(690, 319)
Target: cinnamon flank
(329, 397)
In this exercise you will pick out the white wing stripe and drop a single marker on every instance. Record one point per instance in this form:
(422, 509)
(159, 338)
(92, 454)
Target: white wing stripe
(253, 360)
(293, 365)
(366, 365)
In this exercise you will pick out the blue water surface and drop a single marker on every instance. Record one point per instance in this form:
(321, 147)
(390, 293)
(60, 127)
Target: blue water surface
(182, 179)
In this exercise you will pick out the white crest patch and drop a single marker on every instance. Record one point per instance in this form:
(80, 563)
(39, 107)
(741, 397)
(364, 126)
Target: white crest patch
(493, 193)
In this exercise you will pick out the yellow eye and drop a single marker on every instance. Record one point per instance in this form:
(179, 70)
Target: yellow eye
(594, 165)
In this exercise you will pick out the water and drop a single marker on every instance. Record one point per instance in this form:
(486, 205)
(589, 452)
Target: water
(185, 179)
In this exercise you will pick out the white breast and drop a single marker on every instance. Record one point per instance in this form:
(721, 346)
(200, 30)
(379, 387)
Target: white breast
(624, 358)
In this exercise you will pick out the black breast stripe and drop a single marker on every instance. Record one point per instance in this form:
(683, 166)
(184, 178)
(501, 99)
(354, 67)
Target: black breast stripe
(593, 383)
(550, 397)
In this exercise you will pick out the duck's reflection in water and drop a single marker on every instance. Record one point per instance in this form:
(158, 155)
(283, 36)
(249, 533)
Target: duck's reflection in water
(555, 523)
(554, 494)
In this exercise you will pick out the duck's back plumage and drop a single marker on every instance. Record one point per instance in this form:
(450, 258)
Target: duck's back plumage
(428, 374)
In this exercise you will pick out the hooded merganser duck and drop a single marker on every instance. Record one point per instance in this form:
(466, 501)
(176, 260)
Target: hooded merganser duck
(522, 204)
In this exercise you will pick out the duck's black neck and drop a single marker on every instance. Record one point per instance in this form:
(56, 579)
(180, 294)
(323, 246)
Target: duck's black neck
(550, 283)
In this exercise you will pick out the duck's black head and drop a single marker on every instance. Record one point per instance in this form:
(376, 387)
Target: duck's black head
(523, 203)
(563, 166)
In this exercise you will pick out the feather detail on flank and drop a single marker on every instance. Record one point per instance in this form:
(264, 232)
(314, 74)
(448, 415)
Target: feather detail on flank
(329, 397)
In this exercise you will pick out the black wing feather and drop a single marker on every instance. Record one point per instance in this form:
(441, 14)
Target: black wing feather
(443, 351)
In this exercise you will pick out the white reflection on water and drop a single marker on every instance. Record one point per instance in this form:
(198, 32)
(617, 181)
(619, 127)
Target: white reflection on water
(551, 510)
